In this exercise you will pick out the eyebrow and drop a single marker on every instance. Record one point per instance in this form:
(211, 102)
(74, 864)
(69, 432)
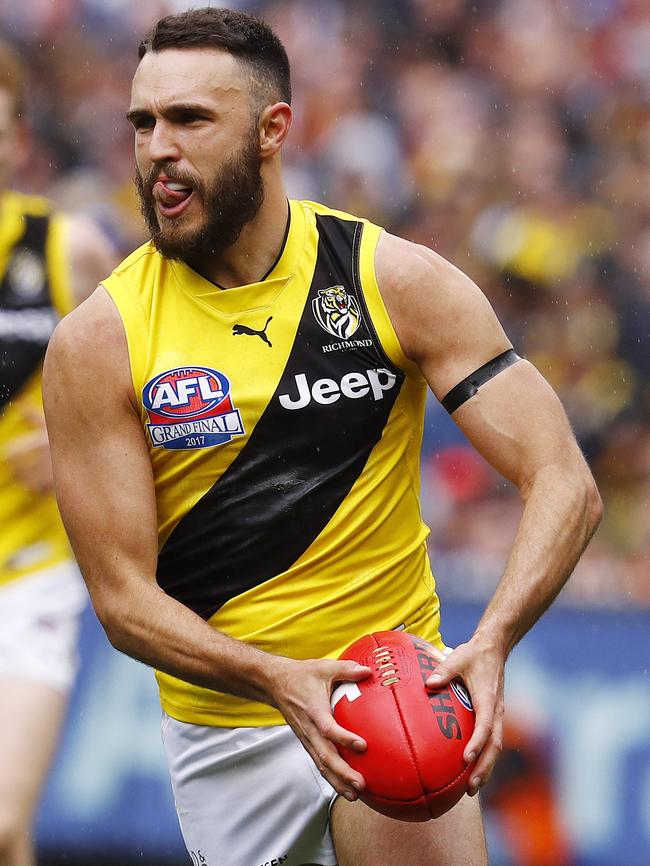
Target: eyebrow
(134, 114)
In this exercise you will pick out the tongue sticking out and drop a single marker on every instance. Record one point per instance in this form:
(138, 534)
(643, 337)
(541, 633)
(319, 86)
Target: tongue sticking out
(171, 193)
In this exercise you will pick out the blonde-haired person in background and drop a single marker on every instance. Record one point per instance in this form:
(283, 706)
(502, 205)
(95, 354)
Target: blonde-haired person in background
(48, 261)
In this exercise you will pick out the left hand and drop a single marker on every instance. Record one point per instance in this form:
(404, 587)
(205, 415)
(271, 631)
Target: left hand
(480, 665)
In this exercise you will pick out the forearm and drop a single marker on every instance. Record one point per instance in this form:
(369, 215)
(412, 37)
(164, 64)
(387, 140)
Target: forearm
(145, 623)
(561, 512)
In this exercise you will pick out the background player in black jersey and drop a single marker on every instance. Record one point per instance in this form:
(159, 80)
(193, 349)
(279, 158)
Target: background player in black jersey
(48, 262)
(210, 117)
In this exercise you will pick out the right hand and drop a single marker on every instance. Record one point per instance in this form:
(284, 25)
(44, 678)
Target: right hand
(301, 690)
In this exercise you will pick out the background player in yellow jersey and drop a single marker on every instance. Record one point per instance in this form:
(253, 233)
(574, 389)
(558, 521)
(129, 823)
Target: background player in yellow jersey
(48, 263)
(235, 419)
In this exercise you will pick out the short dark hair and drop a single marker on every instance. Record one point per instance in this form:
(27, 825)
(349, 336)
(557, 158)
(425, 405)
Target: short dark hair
(244, 36)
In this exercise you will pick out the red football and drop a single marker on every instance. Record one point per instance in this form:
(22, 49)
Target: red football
(413, 766)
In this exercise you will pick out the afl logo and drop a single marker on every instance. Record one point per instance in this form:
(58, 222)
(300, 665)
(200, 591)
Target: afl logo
(186, 392)
(462, 694)
(190, 407)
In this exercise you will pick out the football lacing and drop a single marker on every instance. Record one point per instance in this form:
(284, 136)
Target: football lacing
(386, 667)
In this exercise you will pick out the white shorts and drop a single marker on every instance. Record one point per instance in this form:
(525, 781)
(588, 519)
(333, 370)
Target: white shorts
(248, 796)
(39, 623)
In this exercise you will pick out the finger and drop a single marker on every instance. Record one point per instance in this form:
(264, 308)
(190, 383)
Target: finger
(441, 676)
(485, 726)
(331, 730)
(331, 766)
(327, 732)
(349, 671)
(345, 778)
(490, 752)
(485, 764)
(479, 738)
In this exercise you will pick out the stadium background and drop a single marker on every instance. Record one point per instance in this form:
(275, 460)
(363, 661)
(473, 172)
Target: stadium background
(513, 136)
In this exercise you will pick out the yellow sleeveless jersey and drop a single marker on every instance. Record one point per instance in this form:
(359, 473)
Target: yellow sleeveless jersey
(284, 426)
(34, 293)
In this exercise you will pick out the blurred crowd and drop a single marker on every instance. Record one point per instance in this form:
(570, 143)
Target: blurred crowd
(512, 136)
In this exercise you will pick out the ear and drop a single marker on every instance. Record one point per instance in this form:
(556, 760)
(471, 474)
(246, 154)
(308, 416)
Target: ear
(274, 126)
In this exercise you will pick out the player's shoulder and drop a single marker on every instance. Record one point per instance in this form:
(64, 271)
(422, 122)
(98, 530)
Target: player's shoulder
(142, 257)
(433, 305)
(398, 260)
(319, 209)
(90, 338)
(86, 367)
(403, 263)
(132, 283)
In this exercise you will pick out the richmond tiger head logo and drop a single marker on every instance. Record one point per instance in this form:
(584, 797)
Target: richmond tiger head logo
(337, 312)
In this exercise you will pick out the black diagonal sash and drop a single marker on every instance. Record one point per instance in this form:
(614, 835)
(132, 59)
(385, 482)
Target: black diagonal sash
(300, 463)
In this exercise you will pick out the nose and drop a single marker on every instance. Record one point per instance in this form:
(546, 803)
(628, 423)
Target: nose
(162, 143)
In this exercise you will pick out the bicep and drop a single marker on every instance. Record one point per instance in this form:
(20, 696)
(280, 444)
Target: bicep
(104, 488)
(448, 327)
(518, 424)
(443, 321)
(102, 473)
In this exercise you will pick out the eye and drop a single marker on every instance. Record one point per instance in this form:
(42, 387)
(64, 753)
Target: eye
(142, 121)
(189, 117)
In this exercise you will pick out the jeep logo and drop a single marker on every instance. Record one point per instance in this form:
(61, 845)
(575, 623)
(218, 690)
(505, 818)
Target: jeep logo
(352, 385)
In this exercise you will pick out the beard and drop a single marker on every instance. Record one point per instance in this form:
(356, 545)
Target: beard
(230, 200)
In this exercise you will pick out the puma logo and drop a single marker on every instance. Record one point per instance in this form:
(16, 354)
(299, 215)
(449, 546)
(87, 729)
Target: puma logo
(251, 332)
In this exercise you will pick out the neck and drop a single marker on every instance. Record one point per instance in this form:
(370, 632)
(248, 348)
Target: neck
(256, 249)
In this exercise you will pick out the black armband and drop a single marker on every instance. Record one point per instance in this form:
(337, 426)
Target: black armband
(469, 386)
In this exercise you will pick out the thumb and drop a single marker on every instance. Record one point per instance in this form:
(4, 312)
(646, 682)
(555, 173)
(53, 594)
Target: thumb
(351, 671)
(441, 676)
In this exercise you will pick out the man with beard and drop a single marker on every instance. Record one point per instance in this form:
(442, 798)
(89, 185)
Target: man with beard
(235, 418)
(48, 263)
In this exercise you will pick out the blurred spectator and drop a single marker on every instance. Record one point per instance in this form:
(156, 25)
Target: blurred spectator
(521, 802)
